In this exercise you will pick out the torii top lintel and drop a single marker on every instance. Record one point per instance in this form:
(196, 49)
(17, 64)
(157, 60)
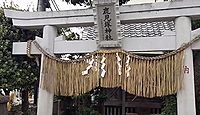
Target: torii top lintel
(127, 14)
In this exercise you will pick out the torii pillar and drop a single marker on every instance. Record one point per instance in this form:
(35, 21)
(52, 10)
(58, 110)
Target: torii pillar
(45, 99)
(186, 96)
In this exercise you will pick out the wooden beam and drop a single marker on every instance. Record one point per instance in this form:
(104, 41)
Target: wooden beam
(123, 102)
(76, 46)
(69, 18)
(129, 44)
(24, 15)
(85, 46)
(159, 11)
(128, 14)
(60, 47)
(149, 43)
(59, 22)
(19, 48)
(147, 104)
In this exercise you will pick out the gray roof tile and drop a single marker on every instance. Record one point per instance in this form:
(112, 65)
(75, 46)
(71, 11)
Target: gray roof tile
(148, 29)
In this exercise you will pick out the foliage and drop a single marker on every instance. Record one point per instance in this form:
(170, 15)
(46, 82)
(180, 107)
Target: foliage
(16, 110)
(195, 24)
(68, 33)
(101, 98)
(170, 105)
(16, 72)
(82, 104)
(89, 2)
(87, 111)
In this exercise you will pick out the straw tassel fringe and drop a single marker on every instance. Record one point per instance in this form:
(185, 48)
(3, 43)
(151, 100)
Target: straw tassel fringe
(151, 77)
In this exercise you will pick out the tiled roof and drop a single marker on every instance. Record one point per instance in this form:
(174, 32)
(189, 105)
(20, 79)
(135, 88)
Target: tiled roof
(148, 29)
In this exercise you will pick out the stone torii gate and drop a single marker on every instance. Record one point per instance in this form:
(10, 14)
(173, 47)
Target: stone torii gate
(182, 12)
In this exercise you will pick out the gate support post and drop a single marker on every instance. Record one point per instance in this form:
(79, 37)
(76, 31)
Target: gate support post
(45, 99)
(123, 102)
(186, 97)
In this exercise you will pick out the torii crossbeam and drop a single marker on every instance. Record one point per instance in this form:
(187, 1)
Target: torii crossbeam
(180, 11)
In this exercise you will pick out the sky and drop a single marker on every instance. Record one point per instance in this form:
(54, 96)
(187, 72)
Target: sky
(32, 4)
